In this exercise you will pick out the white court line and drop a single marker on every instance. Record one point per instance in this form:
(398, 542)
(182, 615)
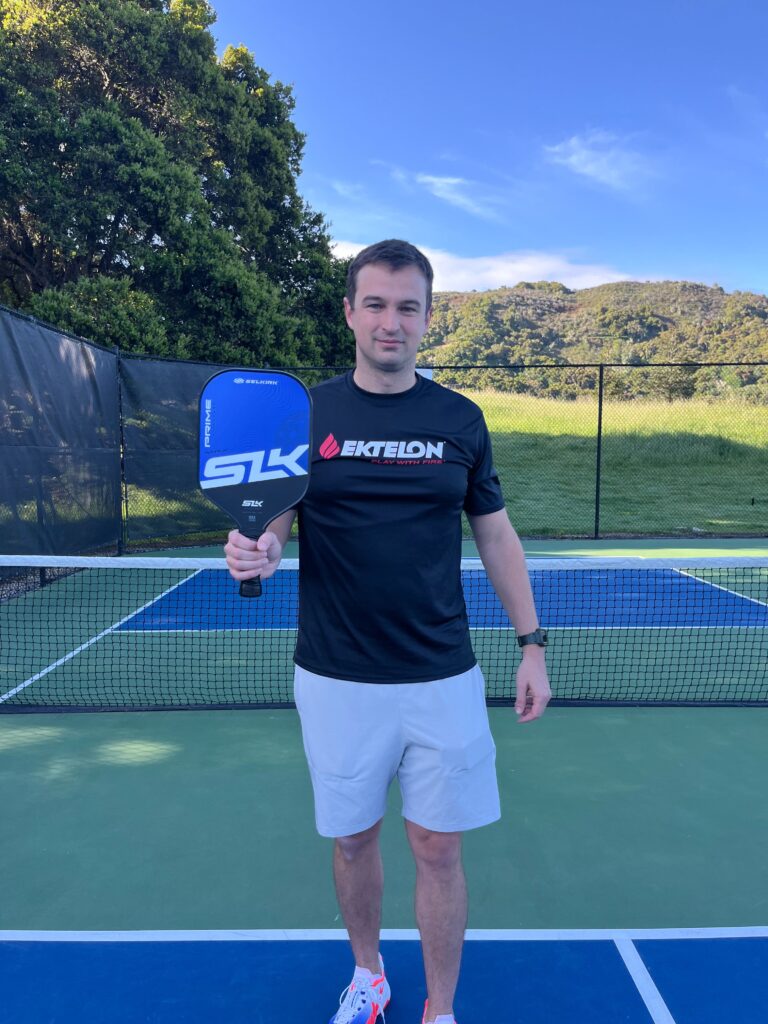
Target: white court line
(408, 934)
(93, 640)
(645, 985)
(205, 631)
(717, 586)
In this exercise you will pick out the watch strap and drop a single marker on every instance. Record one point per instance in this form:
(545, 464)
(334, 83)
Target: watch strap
(538, 637)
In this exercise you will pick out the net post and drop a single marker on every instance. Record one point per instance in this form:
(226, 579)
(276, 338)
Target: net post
(598, 455)
(121, 513)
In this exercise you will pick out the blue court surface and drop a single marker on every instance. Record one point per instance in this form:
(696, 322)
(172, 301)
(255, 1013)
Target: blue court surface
(706, 976)
(573, 599)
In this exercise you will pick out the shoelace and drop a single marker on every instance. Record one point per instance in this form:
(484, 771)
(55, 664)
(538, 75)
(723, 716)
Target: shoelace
(360, 996)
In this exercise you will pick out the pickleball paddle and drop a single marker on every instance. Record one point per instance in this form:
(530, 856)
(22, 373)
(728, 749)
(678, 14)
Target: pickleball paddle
(255, 430)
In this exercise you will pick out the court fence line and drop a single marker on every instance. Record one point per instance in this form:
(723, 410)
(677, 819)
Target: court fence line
(98, 447)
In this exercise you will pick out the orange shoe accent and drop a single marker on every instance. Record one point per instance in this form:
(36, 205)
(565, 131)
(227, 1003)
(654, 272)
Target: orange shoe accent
(376, 1009)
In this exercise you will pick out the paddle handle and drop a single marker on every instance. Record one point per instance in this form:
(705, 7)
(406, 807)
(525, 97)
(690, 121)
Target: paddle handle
(251, 588)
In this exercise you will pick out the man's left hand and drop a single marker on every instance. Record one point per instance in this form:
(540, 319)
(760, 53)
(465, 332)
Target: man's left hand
(533, 692)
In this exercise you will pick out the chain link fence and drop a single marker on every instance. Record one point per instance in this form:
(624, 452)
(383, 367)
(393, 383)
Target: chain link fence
(98, 450)
(627, 451)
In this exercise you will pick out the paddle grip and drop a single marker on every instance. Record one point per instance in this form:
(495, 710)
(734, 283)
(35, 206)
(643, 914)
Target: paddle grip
(251, 588)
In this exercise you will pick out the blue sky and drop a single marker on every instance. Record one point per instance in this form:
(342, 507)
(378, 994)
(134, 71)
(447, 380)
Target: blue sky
(578, 142)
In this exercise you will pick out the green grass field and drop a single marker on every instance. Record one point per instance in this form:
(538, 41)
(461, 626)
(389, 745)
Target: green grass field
(684, 468)
(687, 467)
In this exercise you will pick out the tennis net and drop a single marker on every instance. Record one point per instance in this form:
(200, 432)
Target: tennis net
(150, 633)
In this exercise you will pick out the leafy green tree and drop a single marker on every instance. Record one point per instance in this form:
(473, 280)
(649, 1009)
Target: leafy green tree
(129, 152)
(671, 382)
(103, 309)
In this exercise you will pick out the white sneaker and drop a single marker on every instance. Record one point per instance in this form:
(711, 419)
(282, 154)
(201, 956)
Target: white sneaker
(364, 1001)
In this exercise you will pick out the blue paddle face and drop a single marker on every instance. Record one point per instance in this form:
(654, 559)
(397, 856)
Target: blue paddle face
(254, 444)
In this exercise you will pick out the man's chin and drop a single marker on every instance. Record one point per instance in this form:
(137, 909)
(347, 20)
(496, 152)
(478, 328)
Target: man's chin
(394, 365)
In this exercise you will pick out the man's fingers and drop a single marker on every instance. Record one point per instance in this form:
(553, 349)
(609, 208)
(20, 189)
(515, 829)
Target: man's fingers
(250, 562)
(532, 696)
(245, 560)
(248, 558)
(522, 696)
(523, 709)
(244, 574)
(238, 542)
(244, 552)
(534, 710)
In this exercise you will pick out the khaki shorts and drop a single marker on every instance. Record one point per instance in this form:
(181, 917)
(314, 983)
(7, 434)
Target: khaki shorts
(433, 736)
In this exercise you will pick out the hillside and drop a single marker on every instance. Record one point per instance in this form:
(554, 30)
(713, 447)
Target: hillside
(629, 322)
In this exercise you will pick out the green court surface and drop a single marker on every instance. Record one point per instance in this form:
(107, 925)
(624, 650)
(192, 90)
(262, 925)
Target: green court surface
(612, 818)
(617, 818)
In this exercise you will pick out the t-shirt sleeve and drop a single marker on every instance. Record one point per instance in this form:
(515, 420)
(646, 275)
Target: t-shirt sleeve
(484, 493)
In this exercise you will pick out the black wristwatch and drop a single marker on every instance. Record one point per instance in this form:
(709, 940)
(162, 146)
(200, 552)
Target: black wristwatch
(538, 637)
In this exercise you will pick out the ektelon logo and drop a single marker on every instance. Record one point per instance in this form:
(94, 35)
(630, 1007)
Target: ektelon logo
(391, 451)
(329, 447)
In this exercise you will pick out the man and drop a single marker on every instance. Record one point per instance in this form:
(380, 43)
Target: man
(386, 681)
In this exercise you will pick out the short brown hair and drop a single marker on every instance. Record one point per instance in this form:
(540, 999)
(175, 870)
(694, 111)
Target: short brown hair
(395, 254)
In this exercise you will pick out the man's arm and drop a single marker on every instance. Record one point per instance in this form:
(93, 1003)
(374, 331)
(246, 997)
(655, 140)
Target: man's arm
(247, 558)
(502, 555)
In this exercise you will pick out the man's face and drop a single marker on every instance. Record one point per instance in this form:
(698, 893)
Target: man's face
(390, 316)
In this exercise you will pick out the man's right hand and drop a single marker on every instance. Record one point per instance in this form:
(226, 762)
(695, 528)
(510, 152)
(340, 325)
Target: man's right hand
(247, 558)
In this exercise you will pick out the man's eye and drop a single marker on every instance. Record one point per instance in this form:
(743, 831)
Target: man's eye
(373, 305)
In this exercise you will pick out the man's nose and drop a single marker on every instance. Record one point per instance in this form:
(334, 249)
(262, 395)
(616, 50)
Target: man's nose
(390, 320)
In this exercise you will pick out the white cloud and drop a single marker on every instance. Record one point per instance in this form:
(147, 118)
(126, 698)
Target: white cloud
(470, 196)
(349, 190)
(465, 273)
(605, 158)
(396, 173)
(343, 250)
(456, 191)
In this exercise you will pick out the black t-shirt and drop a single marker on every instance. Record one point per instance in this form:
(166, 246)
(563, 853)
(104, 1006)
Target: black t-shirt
(380, 596)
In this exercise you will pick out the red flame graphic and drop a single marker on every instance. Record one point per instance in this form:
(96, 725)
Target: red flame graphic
(329, 447)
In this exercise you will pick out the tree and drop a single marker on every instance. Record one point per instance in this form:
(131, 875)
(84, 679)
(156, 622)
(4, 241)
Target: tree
(129, 152)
